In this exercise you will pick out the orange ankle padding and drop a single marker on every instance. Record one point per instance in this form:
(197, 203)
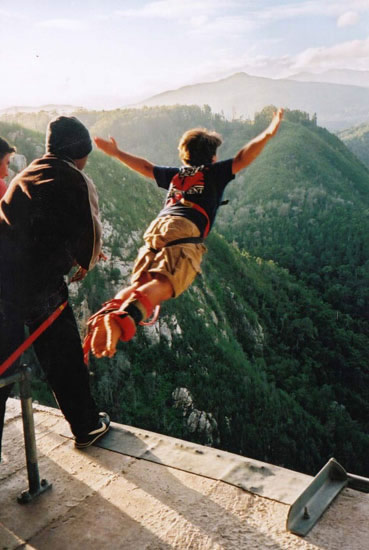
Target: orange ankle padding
(116, 308)
(107, 307)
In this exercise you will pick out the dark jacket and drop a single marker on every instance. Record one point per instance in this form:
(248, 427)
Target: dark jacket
(48, 222)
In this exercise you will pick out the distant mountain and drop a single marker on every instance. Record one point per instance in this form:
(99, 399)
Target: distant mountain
(335, 76)
(59, 109)
(336, 106)
(153, 132)
(36, 118)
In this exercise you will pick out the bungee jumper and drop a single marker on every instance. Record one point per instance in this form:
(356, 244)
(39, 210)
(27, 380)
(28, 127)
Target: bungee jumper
(174, 242)
(49, 223)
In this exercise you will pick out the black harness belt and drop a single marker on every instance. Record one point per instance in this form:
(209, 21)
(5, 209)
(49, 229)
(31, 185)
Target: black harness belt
(184, 240)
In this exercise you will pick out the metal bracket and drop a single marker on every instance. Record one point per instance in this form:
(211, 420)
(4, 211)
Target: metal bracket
(26, 496)
(316, 498)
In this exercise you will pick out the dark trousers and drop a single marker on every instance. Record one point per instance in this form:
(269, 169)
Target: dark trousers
(60, 355)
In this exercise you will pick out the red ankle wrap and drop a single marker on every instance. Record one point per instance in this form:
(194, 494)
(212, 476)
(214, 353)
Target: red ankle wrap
(125, 322)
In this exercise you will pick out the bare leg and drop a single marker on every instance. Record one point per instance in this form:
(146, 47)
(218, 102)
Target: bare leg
(157, 290)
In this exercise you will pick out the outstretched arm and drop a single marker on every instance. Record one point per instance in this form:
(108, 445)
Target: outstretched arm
(251, 150)
(138, 164)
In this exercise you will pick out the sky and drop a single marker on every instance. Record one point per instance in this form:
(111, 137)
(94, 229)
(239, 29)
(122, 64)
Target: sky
(109, 53)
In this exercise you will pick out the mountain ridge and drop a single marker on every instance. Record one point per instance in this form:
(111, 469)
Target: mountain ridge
(244, 95)
(335, 76)
(241, 95)
(52, 108)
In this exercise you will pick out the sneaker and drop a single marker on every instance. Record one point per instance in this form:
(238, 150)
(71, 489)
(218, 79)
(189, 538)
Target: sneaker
(87, 440)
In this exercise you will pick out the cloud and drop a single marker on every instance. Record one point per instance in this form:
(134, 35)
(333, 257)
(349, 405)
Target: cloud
(63, 24)
(11, 14)
(359, 5)
(226, 26)
(174, 9)
(301, 9)
(209, 17)
(346, 55)
(353, 54)
(348, 18)
(170, 9)
(329, 8)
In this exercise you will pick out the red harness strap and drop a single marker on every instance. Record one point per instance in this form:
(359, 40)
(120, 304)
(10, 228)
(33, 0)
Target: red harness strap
(180, 184)
(31, 338)
(204, 213)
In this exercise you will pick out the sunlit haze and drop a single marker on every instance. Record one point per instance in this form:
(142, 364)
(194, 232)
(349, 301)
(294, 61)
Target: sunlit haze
(113, 53)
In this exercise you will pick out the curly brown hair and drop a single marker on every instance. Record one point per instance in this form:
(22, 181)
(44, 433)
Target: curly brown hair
(198, 146)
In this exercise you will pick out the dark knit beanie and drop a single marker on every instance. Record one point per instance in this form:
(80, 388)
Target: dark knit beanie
(67, 137)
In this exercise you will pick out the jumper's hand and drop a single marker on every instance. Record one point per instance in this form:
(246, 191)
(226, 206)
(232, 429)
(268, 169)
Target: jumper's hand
(109, 147)
(102, 256)
(105, 336)
(276, 120)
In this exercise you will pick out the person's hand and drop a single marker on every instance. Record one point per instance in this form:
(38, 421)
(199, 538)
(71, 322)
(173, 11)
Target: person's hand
(276, 120)
(109, 147)
(79, 275)
(102, 257)
(105, 336)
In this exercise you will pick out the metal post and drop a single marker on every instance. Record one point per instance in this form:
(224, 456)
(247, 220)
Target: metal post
(9, 380)
(35, 487)
(358, 483)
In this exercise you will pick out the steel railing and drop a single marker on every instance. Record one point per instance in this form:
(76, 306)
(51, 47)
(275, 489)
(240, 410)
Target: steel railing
(36, 487)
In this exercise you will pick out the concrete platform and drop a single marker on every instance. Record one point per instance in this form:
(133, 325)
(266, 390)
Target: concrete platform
(105, 499)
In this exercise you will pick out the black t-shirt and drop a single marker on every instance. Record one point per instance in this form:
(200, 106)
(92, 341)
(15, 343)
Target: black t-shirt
(194, 193)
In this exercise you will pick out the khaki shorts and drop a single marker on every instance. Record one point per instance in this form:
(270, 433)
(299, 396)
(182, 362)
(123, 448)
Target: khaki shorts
(179, 263)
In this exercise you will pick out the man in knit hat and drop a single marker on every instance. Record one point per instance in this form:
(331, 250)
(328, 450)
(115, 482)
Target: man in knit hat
(49, 222)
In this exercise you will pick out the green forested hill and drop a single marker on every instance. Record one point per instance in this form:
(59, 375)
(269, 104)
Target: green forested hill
(305, 204)
(250, 359)
(357, 140)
